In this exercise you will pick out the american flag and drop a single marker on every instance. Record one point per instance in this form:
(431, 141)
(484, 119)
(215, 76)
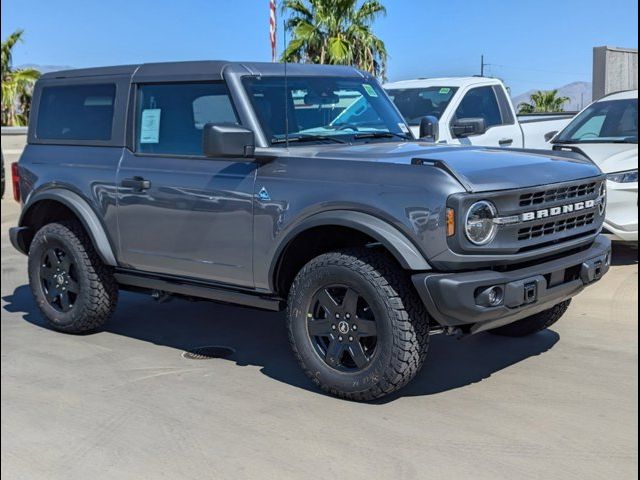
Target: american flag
(272, 28)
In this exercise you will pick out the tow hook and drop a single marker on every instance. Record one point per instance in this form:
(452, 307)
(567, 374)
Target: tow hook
(449, 331)
(161, 296)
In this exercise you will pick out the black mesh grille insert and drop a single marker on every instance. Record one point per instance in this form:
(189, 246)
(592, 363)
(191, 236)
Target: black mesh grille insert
(558, 194)
(549, 228)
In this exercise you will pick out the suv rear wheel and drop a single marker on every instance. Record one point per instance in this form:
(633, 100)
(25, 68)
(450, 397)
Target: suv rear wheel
(356, 326)
(74, 290)
(534, 323)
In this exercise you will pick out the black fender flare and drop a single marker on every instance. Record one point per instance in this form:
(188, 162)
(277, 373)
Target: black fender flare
(401, 247)
(87, 216)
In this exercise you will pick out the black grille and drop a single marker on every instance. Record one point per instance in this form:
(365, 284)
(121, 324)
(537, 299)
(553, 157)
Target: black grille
(549, 228)
(558, 194)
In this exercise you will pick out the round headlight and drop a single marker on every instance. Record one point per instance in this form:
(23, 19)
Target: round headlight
(479, 226)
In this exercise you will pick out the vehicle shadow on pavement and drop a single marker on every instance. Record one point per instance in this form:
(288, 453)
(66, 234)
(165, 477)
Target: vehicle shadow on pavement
(259, 338)
(624, 254)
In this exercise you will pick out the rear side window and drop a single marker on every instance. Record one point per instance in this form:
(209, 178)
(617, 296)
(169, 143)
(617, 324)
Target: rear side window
(170, 117)
(505, 106)
(480, 103)
(76, 112)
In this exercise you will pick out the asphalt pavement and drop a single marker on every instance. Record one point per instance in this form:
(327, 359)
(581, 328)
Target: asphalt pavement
(125, 404)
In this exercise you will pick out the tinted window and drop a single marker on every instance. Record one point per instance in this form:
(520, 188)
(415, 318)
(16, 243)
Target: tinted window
(480, 103)
(76, 112)
(170, 117)
(415, 103)
(505, 106)
(604, 121)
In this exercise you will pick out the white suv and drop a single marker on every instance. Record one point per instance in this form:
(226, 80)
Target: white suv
(607, 132)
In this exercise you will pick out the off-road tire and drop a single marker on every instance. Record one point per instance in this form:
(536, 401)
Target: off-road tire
(402, 323)
(534, 323)
(98, 290)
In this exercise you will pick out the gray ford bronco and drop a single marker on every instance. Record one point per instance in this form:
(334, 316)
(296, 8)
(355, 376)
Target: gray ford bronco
(297, 188)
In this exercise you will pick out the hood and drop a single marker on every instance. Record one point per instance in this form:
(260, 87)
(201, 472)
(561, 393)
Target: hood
(478, 169)
(610, 157)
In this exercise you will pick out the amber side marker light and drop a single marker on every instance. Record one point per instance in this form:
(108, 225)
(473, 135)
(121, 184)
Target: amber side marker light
(451, 222)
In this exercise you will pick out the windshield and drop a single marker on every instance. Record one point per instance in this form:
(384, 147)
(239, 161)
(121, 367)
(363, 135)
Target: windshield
(415, 103)
(604, 122)
(324, 109)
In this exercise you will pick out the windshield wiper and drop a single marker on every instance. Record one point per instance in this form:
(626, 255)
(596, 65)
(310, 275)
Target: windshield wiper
(307, 138)
(404, 136)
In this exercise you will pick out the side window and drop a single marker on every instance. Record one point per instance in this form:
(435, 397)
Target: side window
(505, 106)
(76, 112)
(170, 117)
(480, 102)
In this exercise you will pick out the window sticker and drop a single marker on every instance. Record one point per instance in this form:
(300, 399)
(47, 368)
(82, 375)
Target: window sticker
(150, 126)
(370, 90)
(444, 91)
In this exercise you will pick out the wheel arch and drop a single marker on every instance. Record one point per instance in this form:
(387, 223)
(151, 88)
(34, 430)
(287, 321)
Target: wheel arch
(355, 228)
(57, 204)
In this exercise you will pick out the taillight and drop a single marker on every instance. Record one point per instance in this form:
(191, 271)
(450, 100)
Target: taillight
(15, 181)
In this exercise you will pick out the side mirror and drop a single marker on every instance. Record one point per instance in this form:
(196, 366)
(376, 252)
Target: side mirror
(228, 140)
(466, 127)
(429, 128)
(549, 135)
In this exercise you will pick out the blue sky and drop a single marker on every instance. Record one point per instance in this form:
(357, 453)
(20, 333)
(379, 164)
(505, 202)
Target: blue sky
(529, 44)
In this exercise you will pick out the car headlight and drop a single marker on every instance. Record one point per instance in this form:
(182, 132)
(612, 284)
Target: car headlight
(630, 176)
(480, 226)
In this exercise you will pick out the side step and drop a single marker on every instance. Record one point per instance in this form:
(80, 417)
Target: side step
(198, 289)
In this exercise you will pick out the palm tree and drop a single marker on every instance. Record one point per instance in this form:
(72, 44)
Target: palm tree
(335, 32)
(17, 84)
(543, 102)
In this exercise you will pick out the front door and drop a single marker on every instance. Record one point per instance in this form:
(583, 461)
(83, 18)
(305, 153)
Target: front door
(502, 128)
(181, 213)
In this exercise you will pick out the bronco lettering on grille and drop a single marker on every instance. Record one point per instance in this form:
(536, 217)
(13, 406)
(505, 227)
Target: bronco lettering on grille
(555, 211)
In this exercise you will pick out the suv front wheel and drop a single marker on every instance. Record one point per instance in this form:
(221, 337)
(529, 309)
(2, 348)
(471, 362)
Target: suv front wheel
(356, 326)
(74, 290)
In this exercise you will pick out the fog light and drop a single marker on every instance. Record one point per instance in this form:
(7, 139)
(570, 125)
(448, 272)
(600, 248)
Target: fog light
(490, 297)
(495, 296)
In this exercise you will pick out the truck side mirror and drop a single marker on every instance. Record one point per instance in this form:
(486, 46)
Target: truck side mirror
(429, 128)
(466, 127)
(228, 140)
(549, 135)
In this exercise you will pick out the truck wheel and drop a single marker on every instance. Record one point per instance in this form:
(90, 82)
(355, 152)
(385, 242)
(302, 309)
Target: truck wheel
(534, 323)
(74, 290)
(356, 326)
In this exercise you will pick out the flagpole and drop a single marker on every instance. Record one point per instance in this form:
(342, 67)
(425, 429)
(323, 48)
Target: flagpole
(273, 29)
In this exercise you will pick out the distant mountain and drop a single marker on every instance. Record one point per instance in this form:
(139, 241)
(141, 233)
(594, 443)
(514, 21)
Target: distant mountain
(578, 92)
(46, 68)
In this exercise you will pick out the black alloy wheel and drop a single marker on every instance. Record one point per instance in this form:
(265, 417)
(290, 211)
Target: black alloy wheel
(58, 277)
(342, 328)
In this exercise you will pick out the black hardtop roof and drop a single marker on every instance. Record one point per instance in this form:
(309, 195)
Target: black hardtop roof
(204, 69)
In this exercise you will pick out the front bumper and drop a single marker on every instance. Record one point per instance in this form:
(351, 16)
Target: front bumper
(622, 211)
(452, 298)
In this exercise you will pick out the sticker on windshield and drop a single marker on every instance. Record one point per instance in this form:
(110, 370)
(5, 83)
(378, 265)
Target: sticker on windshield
(444, 91)
(150, 126)
(403, 127)
(370, 90)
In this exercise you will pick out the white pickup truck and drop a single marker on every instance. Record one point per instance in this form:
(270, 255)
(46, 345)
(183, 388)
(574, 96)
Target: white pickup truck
(472, 111)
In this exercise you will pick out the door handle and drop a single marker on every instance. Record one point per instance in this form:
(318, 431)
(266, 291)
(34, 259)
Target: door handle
(505, 141)
(136, 183)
